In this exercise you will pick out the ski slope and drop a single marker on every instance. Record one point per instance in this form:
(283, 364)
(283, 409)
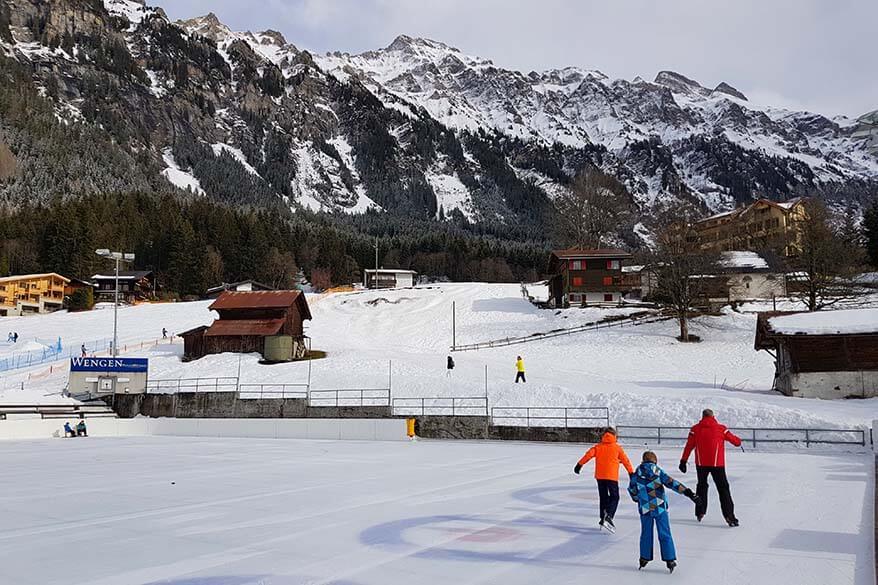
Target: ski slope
(641, 373)
(186, 511)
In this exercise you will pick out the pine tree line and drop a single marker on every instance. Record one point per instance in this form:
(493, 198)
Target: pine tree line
(194, 244)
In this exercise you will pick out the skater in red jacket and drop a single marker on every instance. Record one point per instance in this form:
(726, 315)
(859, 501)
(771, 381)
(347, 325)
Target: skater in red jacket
(708, 439)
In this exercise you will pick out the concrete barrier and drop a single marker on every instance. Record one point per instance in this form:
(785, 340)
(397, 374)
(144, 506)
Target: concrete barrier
(49, 428)
(337, 429)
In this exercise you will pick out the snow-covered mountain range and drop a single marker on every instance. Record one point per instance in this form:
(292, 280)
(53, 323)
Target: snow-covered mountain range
(417, 128)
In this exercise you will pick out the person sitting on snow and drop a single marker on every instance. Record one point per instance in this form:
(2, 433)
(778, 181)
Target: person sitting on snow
(647, 489)
(608, 455)
(68, 431)
(81, 431)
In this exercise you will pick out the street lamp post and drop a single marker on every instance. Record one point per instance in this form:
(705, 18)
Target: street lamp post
(119, 257)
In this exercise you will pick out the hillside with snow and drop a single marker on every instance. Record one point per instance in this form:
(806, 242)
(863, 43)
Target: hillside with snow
(418, 128)
(642, 374)
(578, 108)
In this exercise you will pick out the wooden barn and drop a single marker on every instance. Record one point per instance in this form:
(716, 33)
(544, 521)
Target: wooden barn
(267, 322)
(826, 354)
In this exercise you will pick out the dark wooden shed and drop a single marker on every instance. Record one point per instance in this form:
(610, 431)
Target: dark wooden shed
(246, 319)
(829, 354)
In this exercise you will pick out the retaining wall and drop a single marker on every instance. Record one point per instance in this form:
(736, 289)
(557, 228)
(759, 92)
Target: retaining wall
(228, 405)
(479, 427)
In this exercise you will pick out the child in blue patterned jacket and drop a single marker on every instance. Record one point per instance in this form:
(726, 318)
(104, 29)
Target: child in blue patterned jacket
(647, 489)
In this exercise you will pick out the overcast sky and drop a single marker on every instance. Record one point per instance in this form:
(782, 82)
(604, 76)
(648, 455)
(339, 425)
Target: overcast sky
(810, 54)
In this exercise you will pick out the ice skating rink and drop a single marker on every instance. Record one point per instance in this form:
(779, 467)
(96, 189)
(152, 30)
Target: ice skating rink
(193, 511)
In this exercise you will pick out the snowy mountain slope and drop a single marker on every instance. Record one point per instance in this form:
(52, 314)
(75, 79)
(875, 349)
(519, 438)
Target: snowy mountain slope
(413, 129)
(577, 107)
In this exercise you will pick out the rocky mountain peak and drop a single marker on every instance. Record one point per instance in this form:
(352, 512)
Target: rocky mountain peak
(272, 37)
(407, 43)
(729, 90)
(678, 83)
(209, 26)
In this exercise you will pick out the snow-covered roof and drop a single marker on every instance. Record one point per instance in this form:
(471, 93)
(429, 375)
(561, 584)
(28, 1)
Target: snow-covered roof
(33, 277)
(388, 271)
(743, 259)
(598, 253)
(123, 275)
(849, 321)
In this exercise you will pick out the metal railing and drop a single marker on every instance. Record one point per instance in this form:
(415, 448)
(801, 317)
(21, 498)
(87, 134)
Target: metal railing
(260, 391)
(551, 416)
(450, 406)
(750, 436)
(349, 397)
(174, 386)
(623, 322)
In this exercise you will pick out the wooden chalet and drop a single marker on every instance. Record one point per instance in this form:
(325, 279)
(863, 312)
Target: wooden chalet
(764, 224)
(267, 322)
(134, 286)
(241, 286)
(825, 354)
(583, 277)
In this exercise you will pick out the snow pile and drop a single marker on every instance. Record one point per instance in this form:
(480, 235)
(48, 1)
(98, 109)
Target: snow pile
(743, 259)
(451, 193)
(133, 10)
(178, 176)
(827, 322)
(236, 153)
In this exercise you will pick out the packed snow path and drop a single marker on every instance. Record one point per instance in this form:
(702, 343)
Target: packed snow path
(272, 512)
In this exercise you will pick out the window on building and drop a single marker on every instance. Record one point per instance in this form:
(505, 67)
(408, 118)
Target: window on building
(614, 265)
(577, 281)
(608, 298)
(575, 298)
(576, 265)
(608, 281)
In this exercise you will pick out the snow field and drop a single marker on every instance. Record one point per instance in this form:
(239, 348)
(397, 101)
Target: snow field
(175, 511)
(642, 374)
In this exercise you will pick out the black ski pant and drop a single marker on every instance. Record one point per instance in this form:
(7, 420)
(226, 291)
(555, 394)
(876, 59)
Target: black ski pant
(722, 487)
(608, 491)
(520, 376)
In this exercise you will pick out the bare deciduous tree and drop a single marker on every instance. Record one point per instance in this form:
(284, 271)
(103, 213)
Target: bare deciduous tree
(593, 208)
(827, 261)
(680, 269)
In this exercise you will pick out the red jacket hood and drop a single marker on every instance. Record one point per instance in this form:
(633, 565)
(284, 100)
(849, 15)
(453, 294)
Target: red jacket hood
(608, 438)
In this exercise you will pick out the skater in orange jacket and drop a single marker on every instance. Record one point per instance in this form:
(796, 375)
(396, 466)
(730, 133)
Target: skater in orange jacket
(608, 455)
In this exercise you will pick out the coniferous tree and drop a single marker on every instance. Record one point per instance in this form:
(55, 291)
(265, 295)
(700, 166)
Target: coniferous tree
(870, 233)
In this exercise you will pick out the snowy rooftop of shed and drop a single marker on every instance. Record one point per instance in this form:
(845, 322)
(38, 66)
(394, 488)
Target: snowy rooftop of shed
(850, 321)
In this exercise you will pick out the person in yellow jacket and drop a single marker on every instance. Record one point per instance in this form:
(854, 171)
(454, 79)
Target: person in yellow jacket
(519, 366)
(608, 455)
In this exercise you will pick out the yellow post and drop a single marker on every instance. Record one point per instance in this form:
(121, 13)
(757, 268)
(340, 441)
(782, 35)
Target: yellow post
(410, 428)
